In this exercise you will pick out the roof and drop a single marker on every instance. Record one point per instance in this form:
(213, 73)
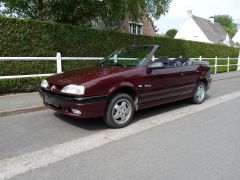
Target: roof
(214, 31)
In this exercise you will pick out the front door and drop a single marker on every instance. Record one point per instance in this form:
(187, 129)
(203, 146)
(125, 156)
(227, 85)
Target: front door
(189, 78)
(161, 84)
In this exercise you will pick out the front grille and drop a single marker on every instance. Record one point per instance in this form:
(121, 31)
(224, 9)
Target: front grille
(56, 93)
(55, 87)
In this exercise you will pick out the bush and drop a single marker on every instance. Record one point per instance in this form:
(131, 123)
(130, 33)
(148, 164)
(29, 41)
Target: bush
(40, 67)
(24, 37)
(19, 85)
(71, 65)
(36, 38)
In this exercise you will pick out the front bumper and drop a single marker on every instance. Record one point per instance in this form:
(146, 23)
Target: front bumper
(90, 107)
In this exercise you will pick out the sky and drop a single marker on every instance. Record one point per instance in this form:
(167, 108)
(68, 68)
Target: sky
(203, 8)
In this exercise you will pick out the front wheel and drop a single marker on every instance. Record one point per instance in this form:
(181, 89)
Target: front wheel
(120, 111)
(199, 94)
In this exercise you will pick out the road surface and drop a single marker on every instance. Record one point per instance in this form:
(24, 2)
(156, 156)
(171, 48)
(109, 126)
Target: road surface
(174, 141)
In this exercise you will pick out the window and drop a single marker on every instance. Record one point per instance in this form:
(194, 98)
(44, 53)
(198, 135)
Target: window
(135, 28)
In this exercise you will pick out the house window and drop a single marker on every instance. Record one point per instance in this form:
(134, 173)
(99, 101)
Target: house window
(135, 28)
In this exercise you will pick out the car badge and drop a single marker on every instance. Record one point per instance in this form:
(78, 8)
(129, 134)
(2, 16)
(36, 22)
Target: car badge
(53, 87)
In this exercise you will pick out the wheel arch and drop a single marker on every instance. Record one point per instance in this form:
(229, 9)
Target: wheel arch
(125, 89)
(205, 82)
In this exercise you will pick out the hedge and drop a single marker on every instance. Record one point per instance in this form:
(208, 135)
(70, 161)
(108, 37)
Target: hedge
(25, 37)
(36, 38)
(19, 85)
(40, 67)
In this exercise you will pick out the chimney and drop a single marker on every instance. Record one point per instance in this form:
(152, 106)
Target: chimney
(212, 19)
(189, 13)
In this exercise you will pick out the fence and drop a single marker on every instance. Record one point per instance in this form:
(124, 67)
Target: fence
(215, 63)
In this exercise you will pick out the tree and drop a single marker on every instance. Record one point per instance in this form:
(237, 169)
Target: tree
(109, 12)
(62, 11)
(227, 22)
(171, 33)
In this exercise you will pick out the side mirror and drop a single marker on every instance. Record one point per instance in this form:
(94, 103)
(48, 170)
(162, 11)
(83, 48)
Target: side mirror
(156, 65)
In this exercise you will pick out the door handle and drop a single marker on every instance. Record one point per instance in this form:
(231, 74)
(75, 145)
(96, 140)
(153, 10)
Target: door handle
(181, 73)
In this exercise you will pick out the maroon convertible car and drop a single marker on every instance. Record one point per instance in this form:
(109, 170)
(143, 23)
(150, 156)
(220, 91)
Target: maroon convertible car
(128, 80)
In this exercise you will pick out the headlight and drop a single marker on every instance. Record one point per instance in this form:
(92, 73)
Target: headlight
(44, 84)
(73, 89)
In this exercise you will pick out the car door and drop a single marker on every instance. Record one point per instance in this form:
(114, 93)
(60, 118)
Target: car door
(189, 76)
(160, 84)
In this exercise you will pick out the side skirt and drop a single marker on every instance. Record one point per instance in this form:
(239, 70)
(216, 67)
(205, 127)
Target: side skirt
(164, 101)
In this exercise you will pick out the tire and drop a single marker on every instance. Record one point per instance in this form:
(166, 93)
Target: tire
(199, 94)
(120, 111)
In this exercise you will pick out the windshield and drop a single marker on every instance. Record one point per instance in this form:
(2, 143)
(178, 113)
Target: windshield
(133, 56)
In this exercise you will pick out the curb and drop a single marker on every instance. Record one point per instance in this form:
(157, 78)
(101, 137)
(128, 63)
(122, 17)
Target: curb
(230, 77)
(40, 108)
(17, 94)
(22, 111)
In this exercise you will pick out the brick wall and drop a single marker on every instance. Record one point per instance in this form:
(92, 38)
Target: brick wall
(147, 26)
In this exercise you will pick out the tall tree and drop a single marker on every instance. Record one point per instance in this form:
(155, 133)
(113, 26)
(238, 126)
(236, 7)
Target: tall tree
(227, 22)
(109, 12)
(171, 33)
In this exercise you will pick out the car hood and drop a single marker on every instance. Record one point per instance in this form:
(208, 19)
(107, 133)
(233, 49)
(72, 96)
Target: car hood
(81, 76)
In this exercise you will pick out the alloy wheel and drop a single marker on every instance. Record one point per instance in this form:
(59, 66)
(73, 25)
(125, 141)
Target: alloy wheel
(200, 93)
(121, 111)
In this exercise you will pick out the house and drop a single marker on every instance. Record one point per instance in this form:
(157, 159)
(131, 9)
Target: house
(236, 38)
(142, 27)
(203, 30)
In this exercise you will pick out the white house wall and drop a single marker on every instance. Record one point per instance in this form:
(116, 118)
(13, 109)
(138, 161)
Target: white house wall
(227, 40)
(191, 31)
(236, 38)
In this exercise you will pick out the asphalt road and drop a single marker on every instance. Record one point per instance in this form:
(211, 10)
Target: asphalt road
(203, 145)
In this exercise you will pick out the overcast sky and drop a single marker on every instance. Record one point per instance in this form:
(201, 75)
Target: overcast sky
(203, 8)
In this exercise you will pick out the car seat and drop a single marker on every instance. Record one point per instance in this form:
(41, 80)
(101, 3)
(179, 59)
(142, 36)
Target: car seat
(189, 62)
(163, 59)
(177, 64)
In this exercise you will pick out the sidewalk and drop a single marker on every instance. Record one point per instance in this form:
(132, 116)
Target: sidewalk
(226, 75)
(18, 102)
(28, 101)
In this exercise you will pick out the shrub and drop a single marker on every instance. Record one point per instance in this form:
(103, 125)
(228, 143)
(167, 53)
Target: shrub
(35, 38)
(19, 85)
(24, 37)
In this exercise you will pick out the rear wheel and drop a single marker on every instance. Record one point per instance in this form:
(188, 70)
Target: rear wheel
(120, 111)
(199, 94)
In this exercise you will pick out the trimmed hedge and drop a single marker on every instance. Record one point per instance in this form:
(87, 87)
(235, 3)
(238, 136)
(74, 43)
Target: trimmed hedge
(19, 85)
(39, 67)
(36, 38)
(26, 37)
